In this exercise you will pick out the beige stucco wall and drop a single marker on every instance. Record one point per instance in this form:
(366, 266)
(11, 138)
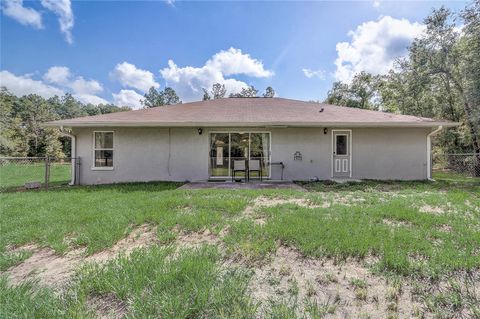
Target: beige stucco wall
(179, 154)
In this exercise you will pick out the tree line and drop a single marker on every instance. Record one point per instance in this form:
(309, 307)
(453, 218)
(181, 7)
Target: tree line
(440, 78)
(21, 118)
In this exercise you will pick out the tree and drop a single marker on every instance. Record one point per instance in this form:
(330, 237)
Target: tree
(269, 92)
(445, 55)
(170, 97)
(22, 132)
(155, 98)
(338, 94)
(206, 95)
(218, 91)
(10, 141)
(361, 93)
(246, 92)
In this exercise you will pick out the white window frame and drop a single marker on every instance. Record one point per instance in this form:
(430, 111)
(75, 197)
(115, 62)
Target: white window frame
(229, 132)
(102, 168)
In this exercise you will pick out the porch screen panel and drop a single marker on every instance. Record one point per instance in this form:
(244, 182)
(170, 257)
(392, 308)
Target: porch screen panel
(219, 154)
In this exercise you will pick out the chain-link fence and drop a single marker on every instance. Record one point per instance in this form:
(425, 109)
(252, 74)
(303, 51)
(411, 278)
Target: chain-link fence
(467, 164)
(36, 172)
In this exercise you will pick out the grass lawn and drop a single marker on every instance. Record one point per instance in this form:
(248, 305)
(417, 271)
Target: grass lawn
(360, 250)
(16, 175)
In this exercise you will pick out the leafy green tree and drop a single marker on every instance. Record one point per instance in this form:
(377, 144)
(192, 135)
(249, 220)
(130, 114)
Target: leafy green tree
(170, 97)
(246, 92)
(206, 95)
(10, 141)
(218, 91)
(153, 98)
(22, 132)
(269, 92)
(338, 94)
(360, 93)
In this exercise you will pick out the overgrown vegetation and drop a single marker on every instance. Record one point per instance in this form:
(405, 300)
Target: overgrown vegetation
(421, 236)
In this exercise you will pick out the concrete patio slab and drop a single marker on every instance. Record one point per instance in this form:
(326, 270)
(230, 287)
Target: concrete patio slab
(239, 185)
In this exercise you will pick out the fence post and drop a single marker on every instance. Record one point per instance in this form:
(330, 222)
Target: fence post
(47, 171)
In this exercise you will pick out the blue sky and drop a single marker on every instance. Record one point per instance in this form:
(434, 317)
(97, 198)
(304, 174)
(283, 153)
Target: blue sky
(113, 51)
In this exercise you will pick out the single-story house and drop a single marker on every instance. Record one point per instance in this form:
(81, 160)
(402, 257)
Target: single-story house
(288, 139)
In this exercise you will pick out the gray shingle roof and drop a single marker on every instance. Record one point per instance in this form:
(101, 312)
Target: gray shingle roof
(250, 112)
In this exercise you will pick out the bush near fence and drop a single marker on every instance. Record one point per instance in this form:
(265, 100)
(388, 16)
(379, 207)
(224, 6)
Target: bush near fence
(15, 172)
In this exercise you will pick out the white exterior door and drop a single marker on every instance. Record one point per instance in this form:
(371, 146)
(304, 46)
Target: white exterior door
(341, 157)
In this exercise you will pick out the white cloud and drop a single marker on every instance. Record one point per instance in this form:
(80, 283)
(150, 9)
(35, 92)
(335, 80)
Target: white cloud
(26, 16)
(89, 98)
(82, 86)
(128, 98)
(233, 61)
(131, 76)
(188, 81)
(24, 84)
(83, 90)
(57, 74)
(63, 9)
(62, 76)
(376, 4)
(309, 73)
(374, 46)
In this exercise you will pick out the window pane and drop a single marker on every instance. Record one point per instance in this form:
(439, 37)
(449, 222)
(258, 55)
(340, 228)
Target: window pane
(219, 154)
(103, 139)
(239, 145)
(341, 144)
(103, 158)
(259, 150)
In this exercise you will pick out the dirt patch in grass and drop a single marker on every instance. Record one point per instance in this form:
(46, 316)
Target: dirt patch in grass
(347, 290)
(51, 269)
(142, 236)
(250, 211)
(445, 228)
(396, 223)
(107, 306)
(196, 239)
(432, 210)
(45, 266)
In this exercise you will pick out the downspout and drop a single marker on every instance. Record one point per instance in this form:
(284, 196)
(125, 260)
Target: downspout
(73, 154)
(429, 152)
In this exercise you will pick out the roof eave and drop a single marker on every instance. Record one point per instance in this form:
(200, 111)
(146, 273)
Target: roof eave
(248, 124)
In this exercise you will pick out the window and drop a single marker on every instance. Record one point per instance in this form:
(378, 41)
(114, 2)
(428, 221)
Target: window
(103, 149)
(341, 144)
(225, 147)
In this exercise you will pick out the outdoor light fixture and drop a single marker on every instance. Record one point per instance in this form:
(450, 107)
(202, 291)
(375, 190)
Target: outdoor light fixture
(200, 131)
(325, 131)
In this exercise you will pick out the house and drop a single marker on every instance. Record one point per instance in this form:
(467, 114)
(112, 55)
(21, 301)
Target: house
(293, 140)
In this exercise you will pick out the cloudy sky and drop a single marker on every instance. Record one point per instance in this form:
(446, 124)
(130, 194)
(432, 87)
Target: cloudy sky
(106, 51)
